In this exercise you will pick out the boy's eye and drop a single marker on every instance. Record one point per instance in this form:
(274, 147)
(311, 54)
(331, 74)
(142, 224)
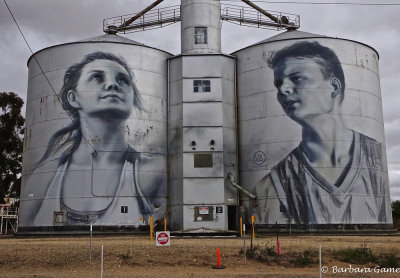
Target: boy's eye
(296, 78)
(278, 83)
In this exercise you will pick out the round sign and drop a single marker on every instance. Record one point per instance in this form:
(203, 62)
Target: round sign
(259, 158)
(162, 238)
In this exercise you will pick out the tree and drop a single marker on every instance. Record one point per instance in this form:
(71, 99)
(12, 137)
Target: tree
(11, 144)
(396, 211)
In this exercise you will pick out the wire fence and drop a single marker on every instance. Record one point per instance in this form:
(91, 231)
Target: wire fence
(139, 252)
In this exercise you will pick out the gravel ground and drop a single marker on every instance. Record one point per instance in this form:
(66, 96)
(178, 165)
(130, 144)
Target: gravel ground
(137, 256)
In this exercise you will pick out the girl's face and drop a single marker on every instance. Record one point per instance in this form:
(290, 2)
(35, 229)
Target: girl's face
(104, 88)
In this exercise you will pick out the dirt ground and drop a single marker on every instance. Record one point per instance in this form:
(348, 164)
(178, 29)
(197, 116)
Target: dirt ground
(137, 256)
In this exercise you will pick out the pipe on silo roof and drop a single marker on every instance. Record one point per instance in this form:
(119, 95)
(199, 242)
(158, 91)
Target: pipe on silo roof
(129, 21)
(264, 12)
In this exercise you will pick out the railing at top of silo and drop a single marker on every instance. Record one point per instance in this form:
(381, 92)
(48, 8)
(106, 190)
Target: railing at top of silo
(156, 18)
(248, 16)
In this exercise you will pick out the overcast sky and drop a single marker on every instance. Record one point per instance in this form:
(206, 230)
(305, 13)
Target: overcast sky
(50, 22)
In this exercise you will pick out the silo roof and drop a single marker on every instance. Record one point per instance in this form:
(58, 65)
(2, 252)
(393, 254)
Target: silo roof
(294, 34)
(111, 38)
(290, 35)
(107, 38)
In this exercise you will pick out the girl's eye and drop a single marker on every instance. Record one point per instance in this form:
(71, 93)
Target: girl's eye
(123, 79)
(97, 77)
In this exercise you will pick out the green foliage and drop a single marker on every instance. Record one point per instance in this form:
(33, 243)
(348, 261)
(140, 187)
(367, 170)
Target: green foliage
(364, 255)
(360, 255)
(251, 253)
(269, 254)
(268, 251)
(396, 211)
(261, 254)
(389, 260)
(125, 255)
(11, 144)
(307, 258)
(304, 259)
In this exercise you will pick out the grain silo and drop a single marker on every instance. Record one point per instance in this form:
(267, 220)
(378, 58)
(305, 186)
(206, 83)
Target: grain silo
(289, 130)
(312, 143)
(96, 135)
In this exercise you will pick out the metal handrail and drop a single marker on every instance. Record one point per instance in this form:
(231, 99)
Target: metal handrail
(161, 17)
(250, 17)
(7, 214)
(156, 18)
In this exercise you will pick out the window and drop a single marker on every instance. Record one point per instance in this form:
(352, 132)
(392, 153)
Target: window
(200, 35)
(201, 86)
(203, 160)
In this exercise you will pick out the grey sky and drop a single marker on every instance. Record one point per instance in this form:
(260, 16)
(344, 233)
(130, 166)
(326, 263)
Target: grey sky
(49, 22)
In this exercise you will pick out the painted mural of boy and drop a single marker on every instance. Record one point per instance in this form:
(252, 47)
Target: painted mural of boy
(335, 175)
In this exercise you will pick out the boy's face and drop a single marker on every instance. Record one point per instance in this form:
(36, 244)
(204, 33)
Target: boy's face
(303, 90)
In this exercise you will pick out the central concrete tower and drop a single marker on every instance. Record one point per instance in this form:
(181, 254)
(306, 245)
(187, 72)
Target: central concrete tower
(202, 124)
(200, 26)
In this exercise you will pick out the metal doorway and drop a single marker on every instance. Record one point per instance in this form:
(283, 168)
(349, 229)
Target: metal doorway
(232, 218)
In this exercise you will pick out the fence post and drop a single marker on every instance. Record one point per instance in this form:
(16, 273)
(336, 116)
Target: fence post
(1, 214)
(252, 226)
(244, 242)
(320, 261)
(151, 227)
(241, 227)
(101, 267)
(90, 253)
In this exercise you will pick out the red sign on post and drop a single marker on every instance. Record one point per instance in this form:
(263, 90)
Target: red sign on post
(163, 238)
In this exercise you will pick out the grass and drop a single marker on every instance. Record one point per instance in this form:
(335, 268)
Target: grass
(309, 257)
(389, 260)
(360, 255)
(364, 255)
(261, 254)
(126, 255)
(269, 254)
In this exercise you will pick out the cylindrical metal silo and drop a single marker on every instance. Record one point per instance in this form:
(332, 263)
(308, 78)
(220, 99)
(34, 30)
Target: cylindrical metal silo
(95, 138)
(312, 145)
(200, 26)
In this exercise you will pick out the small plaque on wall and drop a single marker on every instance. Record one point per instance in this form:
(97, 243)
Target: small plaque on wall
(204, 213)
(124, 209)
(203, 160)
(203, 210)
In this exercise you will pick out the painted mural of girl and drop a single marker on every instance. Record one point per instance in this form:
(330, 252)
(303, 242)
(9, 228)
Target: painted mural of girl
(98, 175)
